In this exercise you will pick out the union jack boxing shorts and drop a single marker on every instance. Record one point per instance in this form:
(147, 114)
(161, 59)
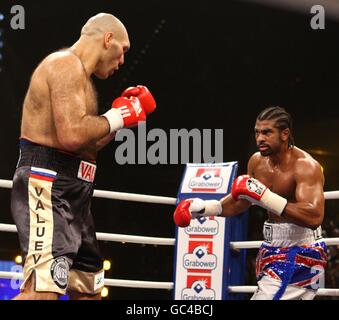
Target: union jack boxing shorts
(290, 262)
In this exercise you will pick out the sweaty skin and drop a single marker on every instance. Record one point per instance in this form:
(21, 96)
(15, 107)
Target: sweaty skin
(60, 108)
(293, 174)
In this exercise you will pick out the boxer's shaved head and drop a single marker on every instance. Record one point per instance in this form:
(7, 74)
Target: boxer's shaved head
(102, 23)
(104, 41)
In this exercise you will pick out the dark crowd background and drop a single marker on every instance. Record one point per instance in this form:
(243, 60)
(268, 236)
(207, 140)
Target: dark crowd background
(212, 64)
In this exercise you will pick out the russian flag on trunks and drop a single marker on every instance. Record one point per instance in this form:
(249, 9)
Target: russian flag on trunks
(202, 248)
(42, 174)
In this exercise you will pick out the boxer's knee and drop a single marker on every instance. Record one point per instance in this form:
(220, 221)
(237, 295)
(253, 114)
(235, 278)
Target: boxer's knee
(85, 285)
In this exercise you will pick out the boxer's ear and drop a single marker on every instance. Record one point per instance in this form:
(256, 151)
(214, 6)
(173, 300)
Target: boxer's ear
(285, 133)
(108, 39)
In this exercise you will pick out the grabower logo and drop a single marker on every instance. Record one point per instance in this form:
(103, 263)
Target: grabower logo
(198, 291)
(200, 259)
(206, 180)
(203, 226)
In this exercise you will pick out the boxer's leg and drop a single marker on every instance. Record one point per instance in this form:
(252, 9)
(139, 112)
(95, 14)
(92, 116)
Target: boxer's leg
(298, 293)
(28, 292)
(46, 237)
(268, 287)
(87, 274)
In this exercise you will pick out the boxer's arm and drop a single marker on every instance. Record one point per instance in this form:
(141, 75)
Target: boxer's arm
(67, 83)
(231, 207)
(105, 141)
(308, 209)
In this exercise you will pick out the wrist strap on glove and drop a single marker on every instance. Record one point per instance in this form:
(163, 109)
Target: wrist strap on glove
(115, 120)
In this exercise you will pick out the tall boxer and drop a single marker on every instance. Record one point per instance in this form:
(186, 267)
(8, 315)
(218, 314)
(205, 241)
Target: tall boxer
(61, 133)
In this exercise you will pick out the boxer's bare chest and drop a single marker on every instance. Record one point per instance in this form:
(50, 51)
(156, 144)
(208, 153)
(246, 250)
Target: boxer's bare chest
(280, 180)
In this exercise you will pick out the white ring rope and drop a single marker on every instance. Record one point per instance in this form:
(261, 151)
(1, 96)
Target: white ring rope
(257, 244)
(112, 237)
(166, 285)
(135, 239)
(7, 184)
(124, 196)
(108, 282)
(163, 241)
(331, 195)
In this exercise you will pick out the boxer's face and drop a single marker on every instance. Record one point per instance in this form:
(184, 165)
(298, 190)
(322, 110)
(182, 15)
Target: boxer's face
(113, 55)
(269, 139)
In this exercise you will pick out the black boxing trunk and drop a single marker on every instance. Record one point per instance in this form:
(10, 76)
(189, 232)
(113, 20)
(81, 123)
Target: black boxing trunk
(50, 204)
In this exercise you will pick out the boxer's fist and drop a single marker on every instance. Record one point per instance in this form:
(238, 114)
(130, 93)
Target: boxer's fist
(194, 208)
(130, 111)
(251, 189)
(125, 113)
(182, 215)
(145, 97)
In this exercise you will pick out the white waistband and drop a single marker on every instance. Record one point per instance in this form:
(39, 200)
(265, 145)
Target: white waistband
(289, 234)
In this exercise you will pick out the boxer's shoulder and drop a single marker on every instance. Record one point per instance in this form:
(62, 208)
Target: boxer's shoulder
(63, 58)
(255, 157)
(253, 163)
(304, 162)
(63, 65)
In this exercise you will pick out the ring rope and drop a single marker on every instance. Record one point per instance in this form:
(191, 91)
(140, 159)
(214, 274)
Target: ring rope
(124, 196)
(163, 241)
(257, 244)
(108, 282)
(167, 285)
(112, 237)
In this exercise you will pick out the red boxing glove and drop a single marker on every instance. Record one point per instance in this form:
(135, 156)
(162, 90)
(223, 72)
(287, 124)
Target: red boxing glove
(125, 112)
(251, 189)
(194, 208)
(182, 215)
(144, 95)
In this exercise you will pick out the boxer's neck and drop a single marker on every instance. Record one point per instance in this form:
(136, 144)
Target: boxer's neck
(282, 157)
(87, 53)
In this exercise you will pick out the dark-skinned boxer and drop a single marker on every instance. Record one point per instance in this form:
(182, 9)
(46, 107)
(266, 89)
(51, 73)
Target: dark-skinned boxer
(288, 183)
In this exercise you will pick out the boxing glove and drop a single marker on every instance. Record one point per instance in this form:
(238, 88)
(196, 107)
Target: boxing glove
(144, 95)
(125, 113)
(251, 189)
(194, 208)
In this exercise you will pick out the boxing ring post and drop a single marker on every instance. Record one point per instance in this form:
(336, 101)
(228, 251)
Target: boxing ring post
(237, 265)
(204, 264)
